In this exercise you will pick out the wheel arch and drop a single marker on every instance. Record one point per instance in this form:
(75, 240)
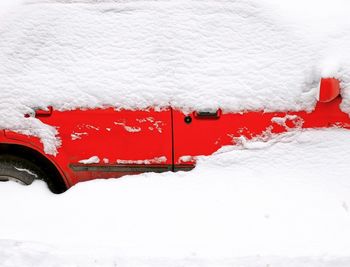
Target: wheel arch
(56, 179)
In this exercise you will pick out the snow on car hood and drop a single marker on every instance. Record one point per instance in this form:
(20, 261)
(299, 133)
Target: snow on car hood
(236, 55)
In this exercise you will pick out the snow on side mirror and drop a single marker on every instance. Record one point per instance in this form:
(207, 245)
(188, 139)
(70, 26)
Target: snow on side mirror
(329, 89)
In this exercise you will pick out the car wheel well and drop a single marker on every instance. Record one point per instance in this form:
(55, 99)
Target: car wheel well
(54, 180)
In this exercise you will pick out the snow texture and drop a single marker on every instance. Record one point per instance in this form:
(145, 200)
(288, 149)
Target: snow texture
(127, 128)
(92, 160)
(157, 160)
(186, 159)
(253, 205)
(194, 54)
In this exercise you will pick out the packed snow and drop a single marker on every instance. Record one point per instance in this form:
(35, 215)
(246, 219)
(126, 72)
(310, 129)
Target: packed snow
(236, 55)
(285, 202)
(127, 128)
(92, 160)
(157, 160)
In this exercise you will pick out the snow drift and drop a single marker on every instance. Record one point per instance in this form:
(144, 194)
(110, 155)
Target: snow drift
(285, 202)
(236, 55)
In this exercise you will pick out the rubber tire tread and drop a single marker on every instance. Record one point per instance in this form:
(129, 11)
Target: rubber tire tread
(9, 163)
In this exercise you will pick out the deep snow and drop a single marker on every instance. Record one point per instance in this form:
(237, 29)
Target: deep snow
(285, 202)
(237, 55)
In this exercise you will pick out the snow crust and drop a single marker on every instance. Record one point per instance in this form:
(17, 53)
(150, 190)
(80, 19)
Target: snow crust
(237, 55)
(284, 202)
(128, 128)
(92, 160)
(157, 160)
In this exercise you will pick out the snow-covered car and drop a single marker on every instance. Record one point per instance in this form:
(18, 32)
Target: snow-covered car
(121, 87)
(103, 143)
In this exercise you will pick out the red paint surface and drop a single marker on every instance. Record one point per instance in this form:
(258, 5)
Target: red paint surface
(125, 137)
(114, 136)
(205, 136)
(329, 89)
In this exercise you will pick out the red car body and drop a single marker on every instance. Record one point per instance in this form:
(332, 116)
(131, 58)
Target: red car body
(130, 142)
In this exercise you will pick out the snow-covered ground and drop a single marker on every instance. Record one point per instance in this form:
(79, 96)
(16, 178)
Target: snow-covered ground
(285, 202)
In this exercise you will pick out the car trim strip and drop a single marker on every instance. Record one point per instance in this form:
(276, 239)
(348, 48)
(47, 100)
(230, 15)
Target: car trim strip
(128, 168)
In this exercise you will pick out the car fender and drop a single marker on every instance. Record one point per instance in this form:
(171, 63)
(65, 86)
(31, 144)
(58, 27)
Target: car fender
(34, 143)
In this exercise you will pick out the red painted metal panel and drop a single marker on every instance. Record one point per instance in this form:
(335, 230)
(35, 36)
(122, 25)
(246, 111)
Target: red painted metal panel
(204, 136)
(34, 143)
(125, 137)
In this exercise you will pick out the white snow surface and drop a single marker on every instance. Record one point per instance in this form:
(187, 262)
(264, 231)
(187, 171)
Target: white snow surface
(193, 54)
(92, 160)
(7, 8)
(157, 160)
(251, 205)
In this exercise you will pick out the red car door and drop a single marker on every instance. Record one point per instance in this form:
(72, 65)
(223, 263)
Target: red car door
(99, 143)
(203, 133)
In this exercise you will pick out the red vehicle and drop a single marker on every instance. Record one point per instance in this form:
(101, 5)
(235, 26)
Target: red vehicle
(104, 143)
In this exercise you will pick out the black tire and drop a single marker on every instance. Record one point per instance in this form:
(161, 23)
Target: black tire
(19, 170)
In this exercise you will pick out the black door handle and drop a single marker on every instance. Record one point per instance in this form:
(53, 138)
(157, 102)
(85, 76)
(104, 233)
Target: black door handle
(207, 114)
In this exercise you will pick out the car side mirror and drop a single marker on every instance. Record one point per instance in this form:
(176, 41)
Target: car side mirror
(329, 90)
